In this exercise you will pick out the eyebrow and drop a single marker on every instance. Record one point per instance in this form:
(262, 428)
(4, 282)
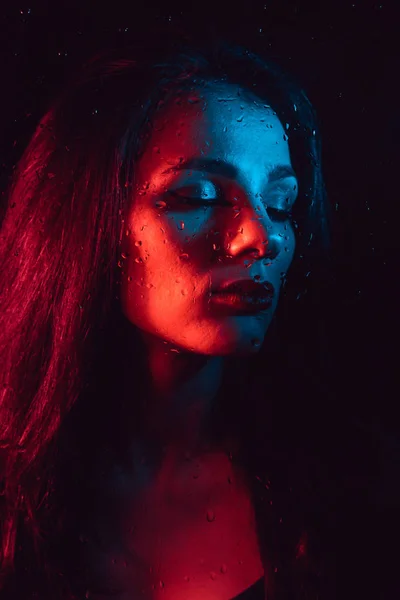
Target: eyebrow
(220, 167)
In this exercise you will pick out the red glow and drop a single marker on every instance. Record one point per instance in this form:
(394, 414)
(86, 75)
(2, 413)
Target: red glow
(194, 528)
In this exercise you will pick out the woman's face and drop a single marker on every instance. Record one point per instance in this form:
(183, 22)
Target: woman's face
(227, 152)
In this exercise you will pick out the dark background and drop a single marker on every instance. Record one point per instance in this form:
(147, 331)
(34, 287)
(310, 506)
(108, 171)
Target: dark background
(346, 55)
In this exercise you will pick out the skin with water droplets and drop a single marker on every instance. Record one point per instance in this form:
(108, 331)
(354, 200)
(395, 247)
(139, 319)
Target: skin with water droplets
(194, 245)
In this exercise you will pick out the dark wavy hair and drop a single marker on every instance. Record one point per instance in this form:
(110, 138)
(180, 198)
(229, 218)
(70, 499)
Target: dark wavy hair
(63, 339)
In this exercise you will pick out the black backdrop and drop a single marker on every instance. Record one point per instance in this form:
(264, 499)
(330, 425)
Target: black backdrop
(346, 55)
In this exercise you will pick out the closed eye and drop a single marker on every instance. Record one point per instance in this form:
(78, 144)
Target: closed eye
(279, 215)
(275, 214)
(191, 200)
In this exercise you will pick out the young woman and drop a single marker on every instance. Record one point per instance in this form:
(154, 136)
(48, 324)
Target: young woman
(156, 440)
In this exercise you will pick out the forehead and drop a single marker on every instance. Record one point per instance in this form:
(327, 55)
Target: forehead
(217, 120)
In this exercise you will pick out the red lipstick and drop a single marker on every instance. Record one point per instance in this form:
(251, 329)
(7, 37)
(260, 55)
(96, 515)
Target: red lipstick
(244, 296)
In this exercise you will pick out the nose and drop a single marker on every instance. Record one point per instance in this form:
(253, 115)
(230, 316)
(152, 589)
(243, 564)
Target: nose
(254, 234)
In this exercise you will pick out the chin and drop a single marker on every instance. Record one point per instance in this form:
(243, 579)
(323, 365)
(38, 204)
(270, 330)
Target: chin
(236, 336)
(240, 348)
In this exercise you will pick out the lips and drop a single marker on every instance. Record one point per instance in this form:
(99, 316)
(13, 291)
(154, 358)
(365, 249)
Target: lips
(247, 287)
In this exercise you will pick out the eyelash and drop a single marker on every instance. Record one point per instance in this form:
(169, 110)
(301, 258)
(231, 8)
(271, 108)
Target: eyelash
(280, 215)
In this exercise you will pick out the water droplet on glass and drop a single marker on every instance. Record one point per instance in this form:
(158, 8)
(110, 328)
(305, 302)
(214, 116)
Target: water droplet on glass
(256, 342)
(213, 575)
(184, 292)
(186, 578)
(240, 119)
(161, 204)
(236, 210)
(184, 256)
(223, 569)
(285, 137)
(210, 516)
(181, 225)
(138, 243)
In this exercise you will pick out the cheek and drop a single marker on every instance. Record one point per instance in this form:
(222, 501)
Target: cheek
(289, 244)
(163, 269)
(180, 244)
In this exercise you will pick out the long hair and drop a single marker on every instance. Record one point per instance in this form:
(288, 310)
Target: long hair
(60, 261)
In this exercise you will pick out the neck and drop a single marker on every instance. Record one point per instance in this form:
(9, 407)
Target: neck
(182, 388)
